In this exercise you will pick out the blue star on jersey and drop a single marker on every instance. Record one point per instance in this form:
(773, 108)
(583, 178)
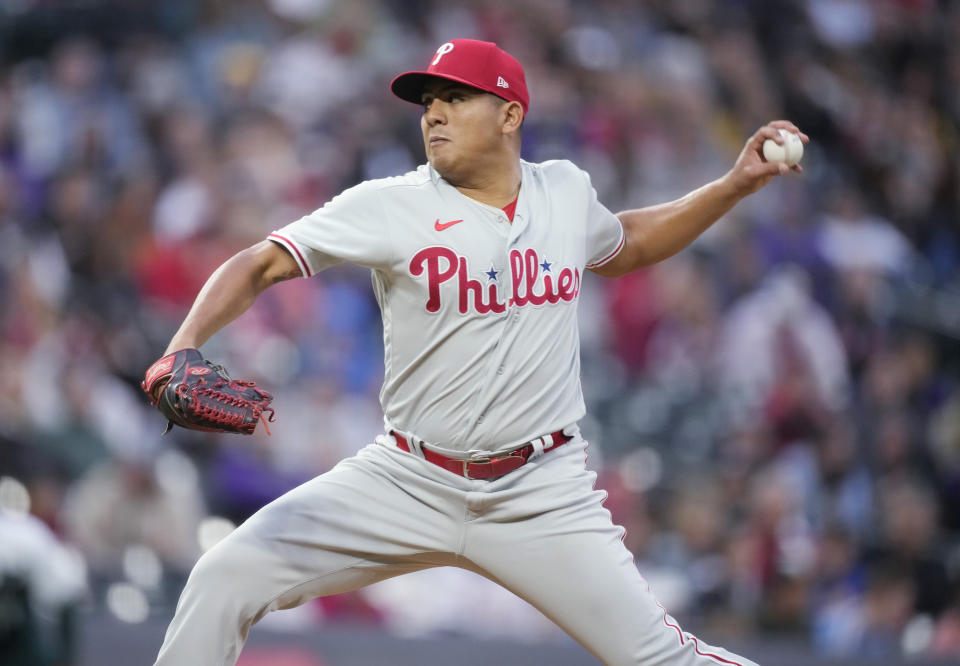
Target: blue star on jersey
(546, 266)
(492, 273)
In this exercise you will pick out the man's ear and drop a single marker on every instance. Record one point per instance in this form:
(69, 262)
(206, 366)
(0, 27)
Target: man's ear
(512, 117)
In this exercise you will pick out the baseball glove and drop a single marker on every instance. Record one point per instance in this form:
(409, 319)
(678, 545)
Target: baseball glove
(197, 394)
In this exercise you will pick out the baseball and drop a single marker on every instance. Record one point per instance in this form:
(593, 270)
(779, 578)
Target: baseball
(790, 152)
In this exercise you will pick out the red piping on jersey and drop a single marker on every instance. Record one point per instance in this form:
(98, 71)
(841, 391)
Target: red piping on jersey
(511, 208)
(696, 641)
(710, 655)
(616, 251)
(672, 626)
(287, 242)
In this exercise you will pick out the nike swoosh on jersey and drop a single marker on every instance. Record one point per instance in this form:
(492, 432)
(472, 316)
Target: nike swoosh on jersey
(440, 226)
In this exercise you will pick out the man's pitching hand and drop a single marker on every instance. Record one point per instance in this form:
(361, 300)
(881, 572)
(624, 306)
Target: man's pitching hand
(751, 172)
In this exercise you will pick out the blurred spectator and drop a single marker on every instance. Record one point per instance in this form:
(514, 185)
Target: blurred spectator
(129, 502)
(780, 349)
(869, 624)
(42, 582)
(851, 240)
(910, 539)
(845, 485)
(946, 637)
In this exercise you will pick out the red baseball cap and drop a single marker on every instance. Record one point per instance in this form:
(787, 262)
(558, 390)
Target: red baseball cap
(474, 63)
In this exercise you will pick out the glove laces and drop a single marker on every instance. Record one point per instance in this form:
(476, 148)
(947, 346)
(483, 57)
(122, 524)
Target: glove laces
(233, 407)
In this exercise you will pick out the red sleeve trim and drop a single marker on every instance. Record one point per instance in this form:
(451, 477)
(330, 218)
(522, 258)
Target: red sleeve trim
(616, 251)
(294, 250)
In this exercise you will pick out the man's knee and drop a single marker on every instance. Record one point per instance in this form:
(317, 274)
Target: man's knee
(229, 565)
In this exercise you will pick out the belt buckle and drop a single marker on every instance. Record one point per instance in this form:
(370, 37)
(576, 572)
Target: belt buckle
(466, 463)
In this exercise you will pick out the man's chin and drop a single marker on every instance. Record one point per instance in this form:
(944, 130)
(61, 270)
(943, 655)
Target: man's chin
(444, 168)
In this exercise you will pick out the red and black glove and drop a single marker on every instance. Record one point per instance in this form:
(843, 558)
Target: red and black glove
(197, 394)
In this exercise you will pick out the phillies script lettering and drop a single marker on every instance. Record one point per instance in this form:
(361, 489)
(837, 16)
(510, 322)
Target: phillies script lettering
(441, 264)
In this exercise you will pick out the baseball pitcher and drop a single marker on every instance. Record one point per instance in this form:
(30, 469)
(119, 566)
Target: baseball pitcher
(477, 259)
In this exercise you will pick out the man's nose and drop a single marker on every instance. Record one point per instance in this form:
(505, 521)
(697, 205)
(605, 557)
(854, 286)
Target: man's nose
(435, 113)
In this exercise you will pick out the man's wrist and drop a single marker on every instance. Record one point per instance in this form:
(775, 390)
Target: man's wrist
(176, 345)
(728, 189)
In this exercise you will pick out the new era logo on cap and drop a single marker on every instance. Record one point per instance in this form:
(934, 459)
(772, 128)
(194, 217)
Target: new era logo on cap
(481, 65)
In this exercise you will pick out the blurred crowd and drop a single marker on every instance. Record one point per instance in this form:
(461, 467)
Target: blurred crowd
(775, 413)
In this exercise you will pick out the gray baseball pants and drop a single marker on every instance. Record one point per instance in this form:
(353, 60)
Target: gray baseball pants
(540, 531)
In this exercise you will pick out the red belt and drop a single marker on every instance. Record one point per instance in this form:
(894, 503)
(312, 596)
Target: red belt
(484, 468)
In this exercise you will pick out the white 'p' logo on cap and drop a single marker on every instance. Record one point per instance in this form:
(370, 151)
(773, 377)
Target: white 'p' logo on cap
(442, 51)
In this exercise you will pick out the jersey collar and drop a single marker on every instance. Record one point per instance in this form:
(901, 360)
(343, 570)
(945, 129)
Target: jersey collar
(519, 214)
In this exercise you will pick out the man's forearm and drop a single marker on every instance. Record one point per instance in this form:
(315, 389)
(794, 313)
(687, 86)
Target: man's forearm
(230, 291)
(655, 233)
(658, 232)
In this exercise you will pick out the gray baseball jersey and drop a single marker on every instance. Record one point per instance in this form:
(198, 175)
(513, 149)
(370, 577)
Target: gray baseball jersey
(479, 315)
(481, 354)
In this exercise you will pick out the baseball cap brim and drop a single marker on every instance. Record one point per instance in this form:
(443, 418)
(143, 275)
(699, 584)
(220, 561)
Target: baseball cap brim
(409, 86)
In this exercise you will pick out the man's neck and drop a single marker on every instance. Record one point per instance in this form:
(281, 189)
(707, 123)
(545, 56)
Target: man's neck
(499, 190)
